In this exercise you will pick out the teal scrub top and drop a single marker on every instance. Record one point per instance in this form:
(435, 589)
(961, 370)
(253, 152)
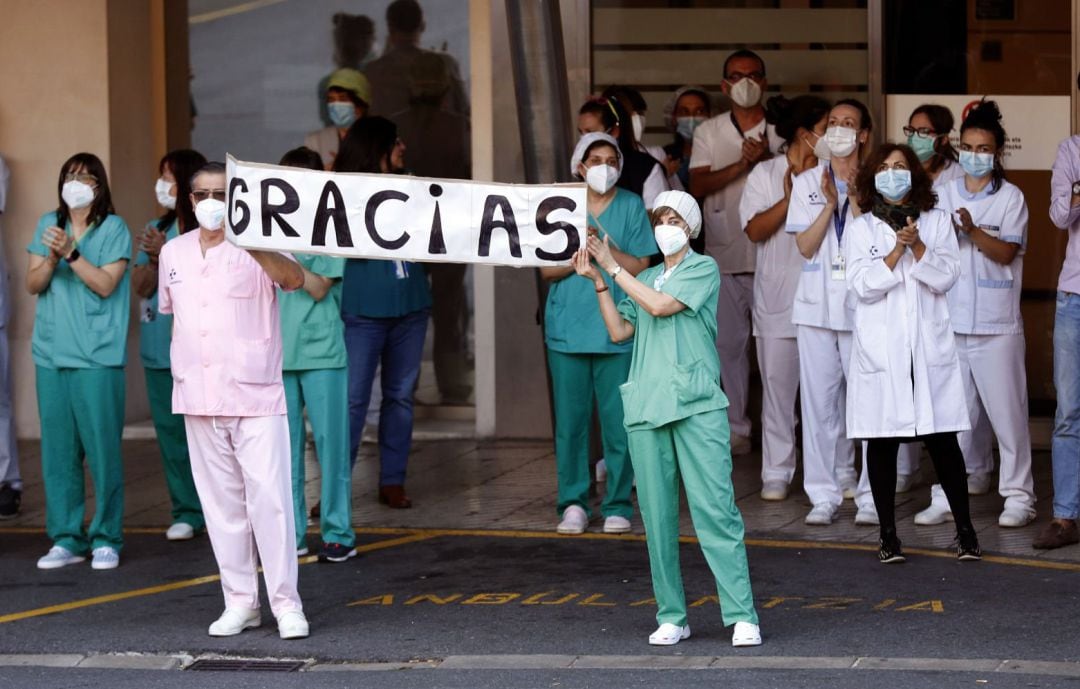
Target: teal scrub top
(674, 371)
(312, 333)
(376, 288)
(572, 321)
(155, 329)
(73, 326)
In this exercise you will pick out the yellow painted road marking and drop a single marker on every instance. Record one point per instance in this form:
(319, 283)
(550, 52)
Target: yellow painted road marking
(230, 11)
(186, 583)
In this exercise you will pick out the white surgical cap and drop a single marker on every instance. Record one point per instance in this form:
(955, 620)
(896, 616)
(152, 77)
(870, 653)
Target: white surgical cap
(583, 144)
(683, 204)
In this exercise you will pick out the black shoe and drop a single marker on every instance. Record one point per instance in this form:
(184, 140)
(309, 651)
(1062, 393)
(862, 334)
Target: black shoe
(967, 546)
(316, 511)
(10, 499)
(889, 550)
(335, 552)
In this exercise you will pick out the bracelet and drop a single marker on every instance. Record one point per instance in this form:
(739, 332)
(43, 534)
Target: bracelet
(73, 256)
(615, 273)
(602, 290)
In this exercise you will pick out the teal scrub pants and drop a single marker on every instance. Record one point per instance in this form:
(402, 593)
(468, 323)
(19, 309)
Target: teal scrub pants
(698, 450)
(82, 417)
(575, 379)
(325, 394)
(172, 443)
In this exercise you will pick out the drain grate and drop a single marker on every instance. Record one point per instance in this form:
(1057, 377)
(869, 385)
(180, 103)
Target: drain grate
(241, 665)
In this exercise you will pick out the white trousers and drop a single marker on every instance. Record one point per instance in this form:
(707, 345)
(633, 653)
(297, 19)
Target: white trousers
(827, 453)
(778, 360)
(995, 390)
(733, 329)
(243, 473)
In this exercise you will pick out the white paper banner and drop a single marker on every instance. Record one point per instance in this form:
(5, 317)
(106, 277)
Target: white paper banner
(401, 217)
(1034, 125)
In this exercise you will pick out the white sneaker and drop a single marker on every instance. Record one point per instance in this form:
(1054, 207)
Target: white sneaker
(616, 524)
(57, 557)
(774, 490)
(292, 625)
(601, 471)
(866, 516)
(936, 513)
(741, 445)
(978, 484)
(1015, 516)
(746, 634)
(574, 521)
(669, 634)
(180, 531)
(235, 620)
(105, 558)
(821, 515)
(905, 482)
(849, 488)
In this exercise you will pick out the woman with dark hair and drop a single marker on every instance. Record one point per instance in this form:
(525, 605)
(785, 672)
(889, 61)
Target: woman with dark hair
(763, 210)
(386, 306)
(905, 384)
(641, 173)
(991, 217)
(173, 189)
(583, 360)
(78, 270)
(927, 134)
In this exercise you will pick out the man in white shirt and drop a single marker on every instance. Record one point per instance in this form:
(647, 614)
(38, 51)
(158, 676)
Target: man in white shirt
(725, 149)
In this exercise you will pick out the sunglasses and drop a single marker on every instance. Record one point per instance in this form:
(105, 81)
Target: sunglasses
(203, 194)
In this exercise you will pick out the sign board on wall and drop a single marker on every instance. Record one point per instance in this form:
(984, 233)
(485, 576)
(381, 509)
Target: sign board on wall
(401, 217)
(1034, 125)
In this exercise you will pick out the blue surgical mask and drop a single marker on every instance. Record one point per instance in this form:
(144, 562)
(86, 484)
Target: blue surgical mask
(341, 114)
(894, 184)
(923, 146)
(977, 165)
(685, 126)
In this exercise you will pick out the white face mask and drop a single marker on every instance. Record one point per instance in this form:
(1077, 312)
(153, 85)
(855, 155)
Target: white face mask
(670, 238)
(211, 214)
(601, 178)
(77, 194)
(161, 190)
(746, 93)
(638, 122)
(842, 141)
(821, 147)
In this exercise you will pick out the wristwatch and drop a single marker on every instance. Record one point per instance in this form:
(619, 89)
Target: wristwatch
(73, 256)
(1076, 189)
(615, 273)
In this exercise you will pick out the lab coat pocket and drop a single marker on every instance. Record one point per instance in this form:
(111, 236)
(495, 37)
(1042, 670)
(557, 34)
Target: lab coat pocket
(255, 363)
(995, 301)
(240, 283)
(871, 351)
(692, 382)
(938, 342)
(811, 289)
(92, 304)
(634, 411)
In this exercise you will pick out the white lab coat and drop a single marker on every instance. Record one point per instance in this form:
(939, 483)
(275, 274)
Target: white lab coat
(904, 377)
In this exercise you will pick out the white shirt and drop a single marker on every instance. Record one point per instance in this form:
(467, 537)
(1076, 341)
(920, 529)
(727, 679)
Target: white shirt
(661, 156)
(718, 144)
(904, 378)
(779, 263)
(821, 299)
(951, 171)
(655, 183)
(986, 298)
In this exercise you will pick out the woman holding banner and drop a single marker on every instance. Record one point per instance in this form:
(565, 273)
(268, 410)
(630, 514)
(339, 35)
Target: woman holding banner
(583, 360)
(386, 307)
(675, 414)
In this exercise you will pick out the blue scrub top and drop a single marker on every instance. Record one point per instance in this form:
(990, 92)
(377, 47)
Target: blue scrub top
(572, 321)
(376, 288)
(155, 329)
(73, 326)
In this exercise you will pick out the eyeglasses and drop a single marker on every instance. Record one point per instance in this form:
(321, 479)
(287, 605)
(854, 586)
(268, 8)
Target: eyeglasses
(203, 194)
(84, 177)
(739, 76)
(921, 132)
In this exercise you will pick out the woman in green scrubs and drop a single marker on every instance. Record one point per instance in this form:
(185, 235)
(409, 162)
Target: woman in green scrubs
(173, 191)
(78, 270)
(315, 377)
(582, 358)
(675, 415)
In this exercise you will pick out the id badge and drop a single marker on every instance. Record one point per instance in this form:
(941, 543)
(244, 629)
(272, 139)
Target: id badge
(146, 311)
(838, 268)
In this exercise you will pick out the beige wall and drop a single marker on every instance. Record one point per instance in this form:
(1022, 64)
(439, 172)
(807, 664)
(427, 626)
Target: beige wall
(75, 76)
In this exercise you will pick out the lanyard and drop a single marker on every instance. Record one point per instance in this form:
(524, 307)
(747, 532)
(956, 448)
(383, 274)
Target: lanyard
(839, 216)
(764, 131)
(665, 275)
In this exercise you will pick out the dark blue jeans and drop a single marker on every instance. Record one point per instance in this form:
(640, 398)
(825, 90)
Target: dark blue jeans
(398, 344)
